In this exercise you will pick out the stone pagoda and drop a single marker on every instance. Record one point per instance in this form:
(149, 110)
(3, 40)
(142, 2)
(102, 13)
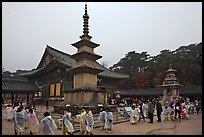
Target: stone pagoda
(85, 92)
(170, 86)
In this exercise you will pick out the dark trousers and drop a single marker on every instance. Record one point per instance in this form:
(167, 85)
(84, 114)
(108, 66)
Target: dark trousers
(158, 116)
(151, 117)
(179, 114)
(141, 114)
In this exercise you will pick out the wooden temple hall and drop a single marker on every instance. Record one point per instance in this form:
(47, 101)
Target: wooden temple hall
(58, 72)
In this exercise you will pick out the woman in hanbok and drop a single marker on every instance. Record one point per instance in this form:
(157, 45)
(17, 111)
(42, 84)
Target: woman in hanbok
(133, 117)
(9, 112)
(102, 118)
(109, 121)
(32, 121)
(19, 120)
(89, 122)
(67, 126)
(47, 125)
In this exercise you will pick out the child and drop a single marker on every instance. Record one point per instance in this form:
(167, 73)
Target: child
(82, 124)
(137, 109)
(19, 120)
(171, 113)
(48, 125)
(67, 126)
(186, 116)
(102, 118)
(133, 118)
(109, 120)
(166, 113)
(89, 122)
(32, 121)
(9, 112)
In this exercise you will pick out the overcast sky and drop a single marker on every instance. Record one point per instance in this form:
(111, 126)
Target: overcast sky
(119, 27)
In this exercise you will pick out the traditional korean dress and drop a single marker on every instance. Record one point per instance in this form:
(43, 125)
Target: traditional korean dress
(67, 126)
(47, 126)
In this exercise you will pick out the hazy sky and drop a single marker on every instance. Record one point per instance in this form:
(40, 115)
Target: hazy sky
(119, 27)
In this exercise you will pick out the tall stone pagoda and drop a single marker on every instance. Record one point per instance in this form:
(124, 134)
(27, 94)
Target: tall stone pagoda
(170, 86)
(85, 91)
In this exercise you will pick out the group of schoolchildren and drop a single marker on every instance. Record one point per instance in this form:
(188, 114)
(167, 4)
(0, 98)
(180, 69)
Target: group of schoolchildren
(25, 121)
(170, 112)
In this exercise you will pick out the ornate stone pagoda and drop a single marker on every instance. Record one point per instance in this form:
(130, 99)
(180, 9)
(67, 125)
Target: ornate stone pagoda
(170, 86)
(85, 71)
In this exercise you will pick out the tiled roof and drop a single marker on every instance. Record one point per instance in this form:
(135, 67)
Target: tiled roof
(183, 91)
(18, 84)
(65, 59)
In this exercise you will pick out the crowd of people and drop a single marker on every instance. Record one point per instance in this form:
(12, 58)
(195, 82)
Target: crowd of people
(170, 111)
(25, 120)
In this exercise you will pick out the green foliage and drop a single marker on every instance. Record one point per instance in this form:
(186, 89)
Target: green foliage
(187, 60)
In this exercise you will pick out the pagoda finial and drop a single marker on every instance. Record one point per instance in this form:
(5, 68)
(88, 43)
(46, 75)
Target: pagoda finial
(86, 18)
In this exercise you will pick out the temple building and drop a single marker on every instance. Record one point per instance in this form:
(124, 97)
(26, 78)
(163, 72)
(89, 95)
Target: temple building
(16, 87)
(59, 72)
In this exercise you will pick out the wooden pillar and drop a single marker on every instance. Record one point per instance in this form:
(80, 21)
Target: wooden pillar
(27, 99)
(12, 99)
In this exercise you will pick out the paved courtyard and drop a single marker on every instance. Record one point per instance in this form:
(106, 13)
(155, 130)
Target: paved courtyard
(193, 126)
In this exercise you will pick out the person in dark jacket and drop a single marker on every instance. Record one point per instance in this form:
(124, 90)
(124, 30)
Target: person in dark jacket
(141, 106)
(150, 111)
(159, 110)
(177, 110)
(47, 103)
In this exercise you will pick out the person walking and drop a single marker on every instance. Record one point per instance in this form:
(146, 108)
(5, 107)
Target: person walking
(9, 112)
(150, 111)
(89, 122)
(47, 125)
(34, 104)
(159, 110)
(109, 120)
(141, 107)
(32, 121)
(19, 120)
(47, 103)
(133, 117)
(102, 118)
(177, 110)
(67, 126)
(82, 124)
